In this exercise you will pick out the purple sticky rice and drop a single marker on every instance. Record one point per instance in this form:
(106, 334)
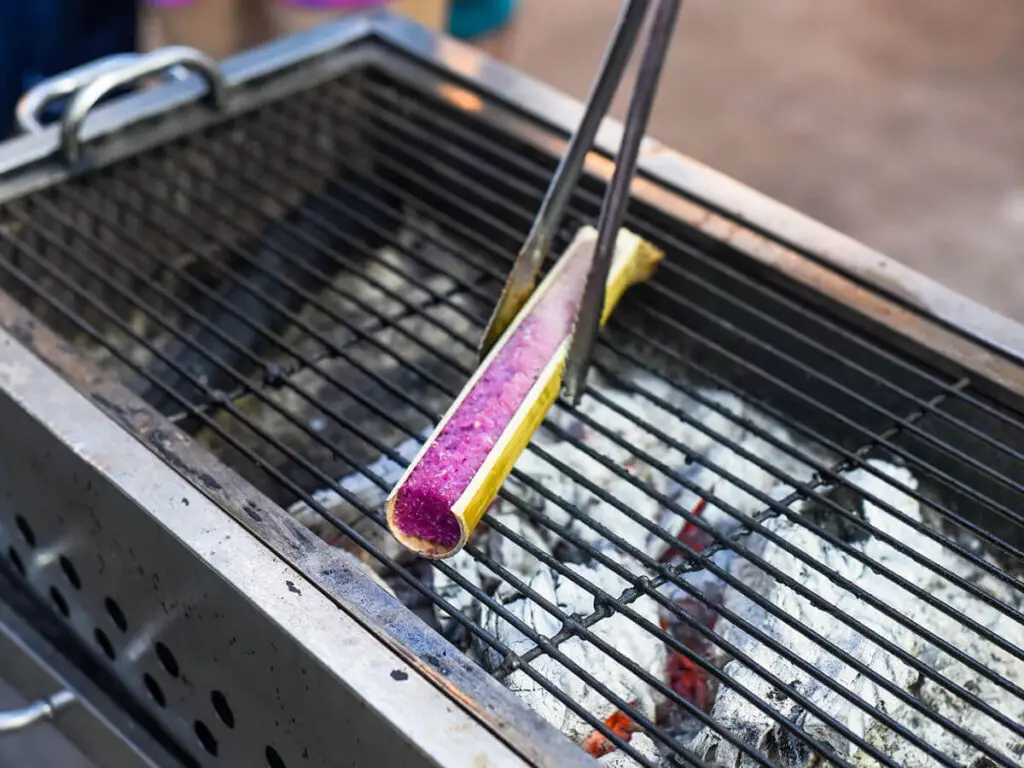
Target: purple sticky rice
(422, 507)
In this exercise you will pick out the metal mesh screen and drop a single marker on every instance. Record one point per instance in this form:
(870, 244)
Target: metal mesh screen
(764, 538)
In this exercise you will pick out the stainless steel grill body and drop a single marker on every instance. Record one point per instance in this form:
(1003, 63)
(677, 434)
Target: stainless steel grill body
(285, 290)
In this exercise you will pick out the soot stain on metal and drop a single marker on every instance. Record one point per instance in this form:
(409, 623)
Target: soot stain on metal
(253, 511)
(292, 588)
(125, 413)
(209, 481)
(399, 675)
(24, 332)
(301, 539)
(161, 439)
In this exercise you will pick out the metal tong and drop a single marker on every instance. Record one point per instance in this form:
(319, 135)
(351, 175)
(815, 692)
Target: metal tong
(522, 279)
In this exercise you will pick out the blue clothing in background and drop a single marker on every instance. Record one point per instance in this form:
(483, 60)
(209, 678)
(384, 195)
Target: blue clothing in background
(470, 19)
(42, 38)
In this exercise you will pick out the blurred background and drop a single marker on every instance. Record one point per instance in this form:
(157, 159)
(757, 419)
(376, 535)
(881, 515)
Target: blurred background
(899, 123)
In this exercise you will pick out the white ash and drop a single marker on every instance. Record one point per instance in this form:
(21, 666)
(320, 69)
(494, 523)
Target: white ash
(626, 637)
(635, 431)
(642, 743)
(730, 709)
(760, 731)
(369, 492)
(620, 632)
(522, 563)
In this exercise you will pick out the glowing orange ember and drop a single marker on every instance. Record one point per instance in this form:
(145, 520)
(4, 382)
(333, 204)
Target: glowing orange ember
(684, 676)
(690, 535)
(689, 680)
(597, 744)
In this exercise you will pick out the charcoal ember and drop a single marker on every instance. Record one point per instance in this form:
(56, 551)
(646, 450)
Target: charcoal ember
(348, 401)
(824, 516)
(567, 552)
(457, 595)
(730, 497)
(446, 258)
(370, 487)
(734, 713)
(932, 694)
(682, 494)
(549, 483)
(642, 743)
(402, 278)
(703, 586)
(361, 301)
(503, 551)
(617, 631)
(268, 282)
(520, 559)
(681, 724)
(636, 418)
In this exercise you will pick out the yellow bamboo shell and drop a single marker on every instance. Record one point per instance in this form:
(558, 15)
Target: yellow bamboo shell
(633, 262)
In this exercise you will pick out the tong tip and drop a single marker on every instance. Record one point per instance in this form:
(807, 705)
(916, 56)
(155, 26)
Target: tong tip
(515, 294)
(588, 321)
(577, 363)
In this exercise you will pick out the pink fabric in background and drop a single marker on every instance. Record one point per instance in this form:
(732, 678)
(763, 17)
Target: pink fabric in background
(301, 3)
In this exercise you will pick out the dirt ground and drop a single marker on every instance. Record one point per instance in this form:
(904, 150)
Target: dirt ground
(899, 123)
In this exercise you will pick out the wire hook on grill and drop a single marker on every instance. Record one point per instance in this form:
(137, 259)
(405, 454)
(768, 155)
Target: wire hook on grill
(522, 278)
(88, 85)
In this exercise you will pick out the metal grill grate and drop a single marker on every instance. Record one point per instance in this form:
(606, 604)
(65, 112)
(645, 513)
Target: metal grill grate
(302, 289)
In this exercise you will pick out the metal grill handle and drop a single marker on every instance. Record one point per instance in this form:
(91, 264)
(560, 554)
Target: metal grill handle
(35, 100)
(14, 720)
(155, 63)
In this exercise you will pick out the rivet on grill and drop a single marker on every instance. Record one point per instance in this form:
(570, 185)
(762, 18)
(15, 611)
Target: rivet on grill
(667, 572)
(572, 625)
(603, 606)
(823, 478)
(511, 663)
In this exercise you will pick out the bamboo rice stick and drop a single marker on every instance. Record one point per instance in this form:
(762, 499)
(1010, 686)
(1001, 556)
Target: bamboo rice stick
(457, 474)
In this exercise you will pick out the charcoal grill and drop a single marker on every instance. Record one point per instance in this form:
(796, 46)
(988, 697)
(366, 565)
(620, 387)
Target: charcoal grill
(226, 321)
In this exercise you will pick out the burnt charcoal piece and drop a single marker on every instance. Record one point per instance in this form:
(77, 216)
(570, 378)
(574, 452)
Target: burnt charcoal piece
(790, 750)
(365, 388)
(567, 552)
(309, 235)
(829, 519)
